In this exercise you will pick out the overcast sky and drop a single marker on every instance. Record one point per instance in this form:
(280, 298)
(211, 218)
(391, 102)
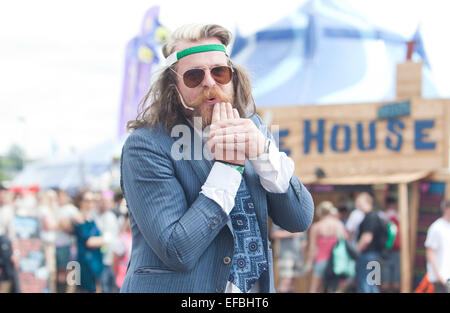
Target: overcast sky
(61, 62)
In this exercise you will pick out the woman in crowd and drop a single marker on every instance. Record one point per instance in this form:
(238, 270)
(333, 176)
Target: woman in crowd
(87, 234)
(122, 251)
(47, 207)
(324, 235)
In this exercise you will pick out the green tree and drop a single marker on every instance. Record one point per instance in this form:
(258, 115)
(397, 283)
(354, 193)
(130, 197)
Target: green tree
(12, 163)
(16, 156)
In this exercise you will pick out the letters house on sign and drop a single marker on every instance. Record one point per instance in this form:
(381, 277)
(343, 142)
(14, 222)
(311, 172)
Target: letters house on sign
(396, 142)
(402, 136)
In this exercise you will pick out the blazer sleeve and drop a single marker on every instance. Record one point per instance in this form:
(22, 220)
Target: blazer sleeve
(294, 209)
(178, 234)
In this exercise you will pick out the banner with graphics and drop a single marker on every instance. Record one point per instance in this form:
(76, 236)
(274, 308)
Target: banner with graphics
(142, 54)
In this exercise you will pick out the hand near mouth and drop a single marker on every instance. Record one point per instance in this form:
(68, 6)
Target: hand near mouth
(226, 151)
(233, 139)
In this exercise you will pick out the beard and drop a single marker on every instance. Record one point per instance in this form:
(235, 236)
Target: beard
(205, 110)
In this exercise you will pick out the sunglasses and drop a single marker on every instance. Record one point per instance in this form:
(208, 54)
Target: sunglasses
(221, 74)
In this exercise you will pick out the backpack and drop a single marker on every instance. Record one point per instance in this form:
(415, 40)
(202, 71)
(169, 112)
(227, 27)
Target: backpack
(343, 261)
(341, 265)
(387, 237)
(393, 236)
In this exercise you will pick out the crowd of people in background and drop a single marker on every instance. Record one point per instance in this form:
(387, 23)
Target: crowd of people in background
(338, 252)
(93, 229)
(90, 228)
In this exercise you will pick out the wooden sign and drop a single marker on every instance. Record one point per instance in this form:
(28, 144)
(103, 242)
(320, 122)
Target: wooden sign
(409, 80)
(401, 136)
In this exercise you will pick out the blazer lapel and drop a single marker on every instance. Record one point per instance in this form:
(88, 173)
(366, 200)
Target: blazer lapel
(200, 165)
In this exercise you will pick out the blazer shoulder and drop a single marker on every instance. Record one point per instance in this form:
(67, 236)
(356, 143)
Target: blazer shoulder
(256, 119)
(148, 137)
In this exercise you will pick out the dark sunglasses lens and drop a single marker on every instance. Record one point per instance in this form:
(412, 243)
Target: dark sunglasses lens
(193, 78)
(221, 74)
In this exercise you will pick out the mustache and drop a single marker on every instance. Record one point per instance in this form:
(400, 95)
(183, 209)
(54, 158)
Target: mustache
(209, 93)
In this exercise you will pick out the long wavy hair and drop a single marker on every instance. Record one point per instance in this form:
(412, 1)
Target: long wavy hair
(161, 106)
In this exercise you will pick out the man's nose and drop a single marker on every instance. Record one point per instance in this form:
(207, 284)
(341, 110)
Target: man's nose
(208, 81)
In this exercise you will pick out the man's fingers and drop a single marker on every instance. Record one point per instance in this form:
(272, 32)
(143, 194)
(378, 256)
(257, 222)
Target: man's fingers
(236, 114)
(223, 111)
(231, 138)
(221, 123)
(230, 152)
(229, 130)
(211, 144)
(216, 113)
(239, 121)
(230, 114)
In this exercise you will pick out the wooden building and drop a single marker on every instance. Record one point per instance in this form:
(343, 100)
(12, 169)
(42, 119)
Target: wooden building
(401, 142)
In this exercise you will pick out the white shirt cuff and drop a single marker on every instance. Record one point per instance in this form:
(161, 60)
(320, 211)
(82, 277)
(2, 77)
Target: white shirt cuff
(222, 185)
(275, 170)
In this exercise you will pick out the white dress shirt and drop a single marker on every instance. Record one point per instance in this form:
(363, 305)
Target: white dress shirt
(274, 169)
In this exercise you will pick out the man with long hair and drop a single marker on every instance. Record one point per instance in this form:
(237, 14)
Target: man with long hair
(201, 175)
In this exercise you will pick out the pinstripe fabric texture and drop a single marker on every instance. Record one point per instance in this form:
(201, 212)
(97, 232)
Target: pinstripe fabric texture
(181, 241)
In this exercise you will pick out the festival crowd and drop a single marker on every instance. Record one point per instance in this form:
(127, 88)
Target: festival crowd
(89, 231)
(356, 248)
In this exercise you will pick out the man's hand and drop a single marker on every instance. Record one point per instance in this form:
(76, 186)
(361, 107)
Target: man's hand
(364, 241)
(223, 150)
(229, 132)
(77, 218)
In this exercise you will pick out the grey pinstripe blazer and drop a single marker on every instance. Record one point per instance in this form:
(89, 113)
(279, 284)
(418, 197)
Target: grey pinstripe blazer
(180, 237)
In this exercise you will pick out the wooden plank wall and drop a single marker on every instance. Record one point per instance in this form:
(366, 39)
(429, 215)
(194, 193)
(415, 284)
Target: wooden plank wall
(381, 160)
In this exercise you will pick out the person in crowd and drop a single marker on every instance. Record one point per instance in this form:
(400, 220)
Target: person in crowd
(108, 225)
(323, 236)
(64, 239)
(437, 247)
(290, 257)
(369, 245)
(352, 218)
(118, 197)
(122, 211)
(8, 259)
(25, 204)
(343, 213)
(89, 242)
(47, 208)
(122, 251)
(345, 207)
(199, 208)
(390, 267)
(352, 224)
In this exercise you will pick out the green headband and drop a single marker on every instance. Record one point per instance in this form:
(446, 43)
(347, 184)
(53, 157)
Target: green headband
(174, 57)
